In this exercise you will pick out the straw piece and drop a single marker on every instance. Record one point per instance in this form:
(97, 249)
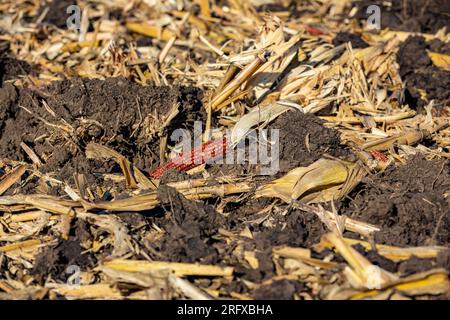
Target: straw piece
(399, 254)
(180, 269)
(93, 291)
(12, 177)
(150, 31)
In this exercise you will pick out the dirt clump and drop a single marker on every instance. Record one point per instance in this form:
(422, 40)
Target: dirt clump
(189, 229)
(304, 139)
(279, 290)
(415, 265)
(57, 12)
(374, 257)
(174, 175)
(412, 16)
(354, 39)
(420, 74)
(407, 202)
(405, 267)
(54, 261)
(11, 68)
(58, 121)
(295, 229)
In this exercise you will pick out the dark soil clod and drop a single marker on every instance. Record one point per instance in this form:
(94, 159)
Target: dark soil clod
(419, 73)
(407, 202)
(122, 115)
(413, 16)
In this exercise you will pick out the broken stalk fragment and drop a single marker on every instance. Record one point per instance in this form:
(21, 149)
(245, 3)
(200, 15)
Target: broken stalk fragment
(409, 137)
(241, 77)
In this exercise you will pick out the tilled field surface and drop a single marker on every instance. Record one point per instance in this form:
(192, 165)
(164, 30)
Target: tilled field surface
(224, 149)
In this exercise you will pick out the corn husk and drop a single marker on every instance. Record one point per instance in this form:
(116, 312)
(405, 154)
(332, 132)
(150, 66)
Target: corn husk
(319, 182)
(440, 60)
(256, 116)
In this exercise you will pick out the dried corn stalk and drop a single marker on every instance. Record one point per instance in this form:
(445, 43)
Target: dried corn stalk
(180, 269)
(361, 272)
(131, 173)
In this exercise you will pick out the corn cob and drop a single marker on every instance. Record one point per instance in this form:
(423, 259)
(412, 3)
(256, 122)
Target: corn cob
(209, 151)
(314, 31)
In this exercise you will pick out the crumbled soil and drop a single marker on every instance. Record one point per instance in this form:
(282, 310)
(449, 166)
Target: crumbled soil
(12, 68)
(189, 227)
(407, 202)
(292, 228)
(415, 265)
(57, 12)
(426, 16)
(277, 7)
(279, 290)
(59, 120)
(295, 129)
(295, 229)
(403, 268)
(420, 74)
(344, 37)
(424, 81)
(54, 261)
(174, 175)
(115, 112)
